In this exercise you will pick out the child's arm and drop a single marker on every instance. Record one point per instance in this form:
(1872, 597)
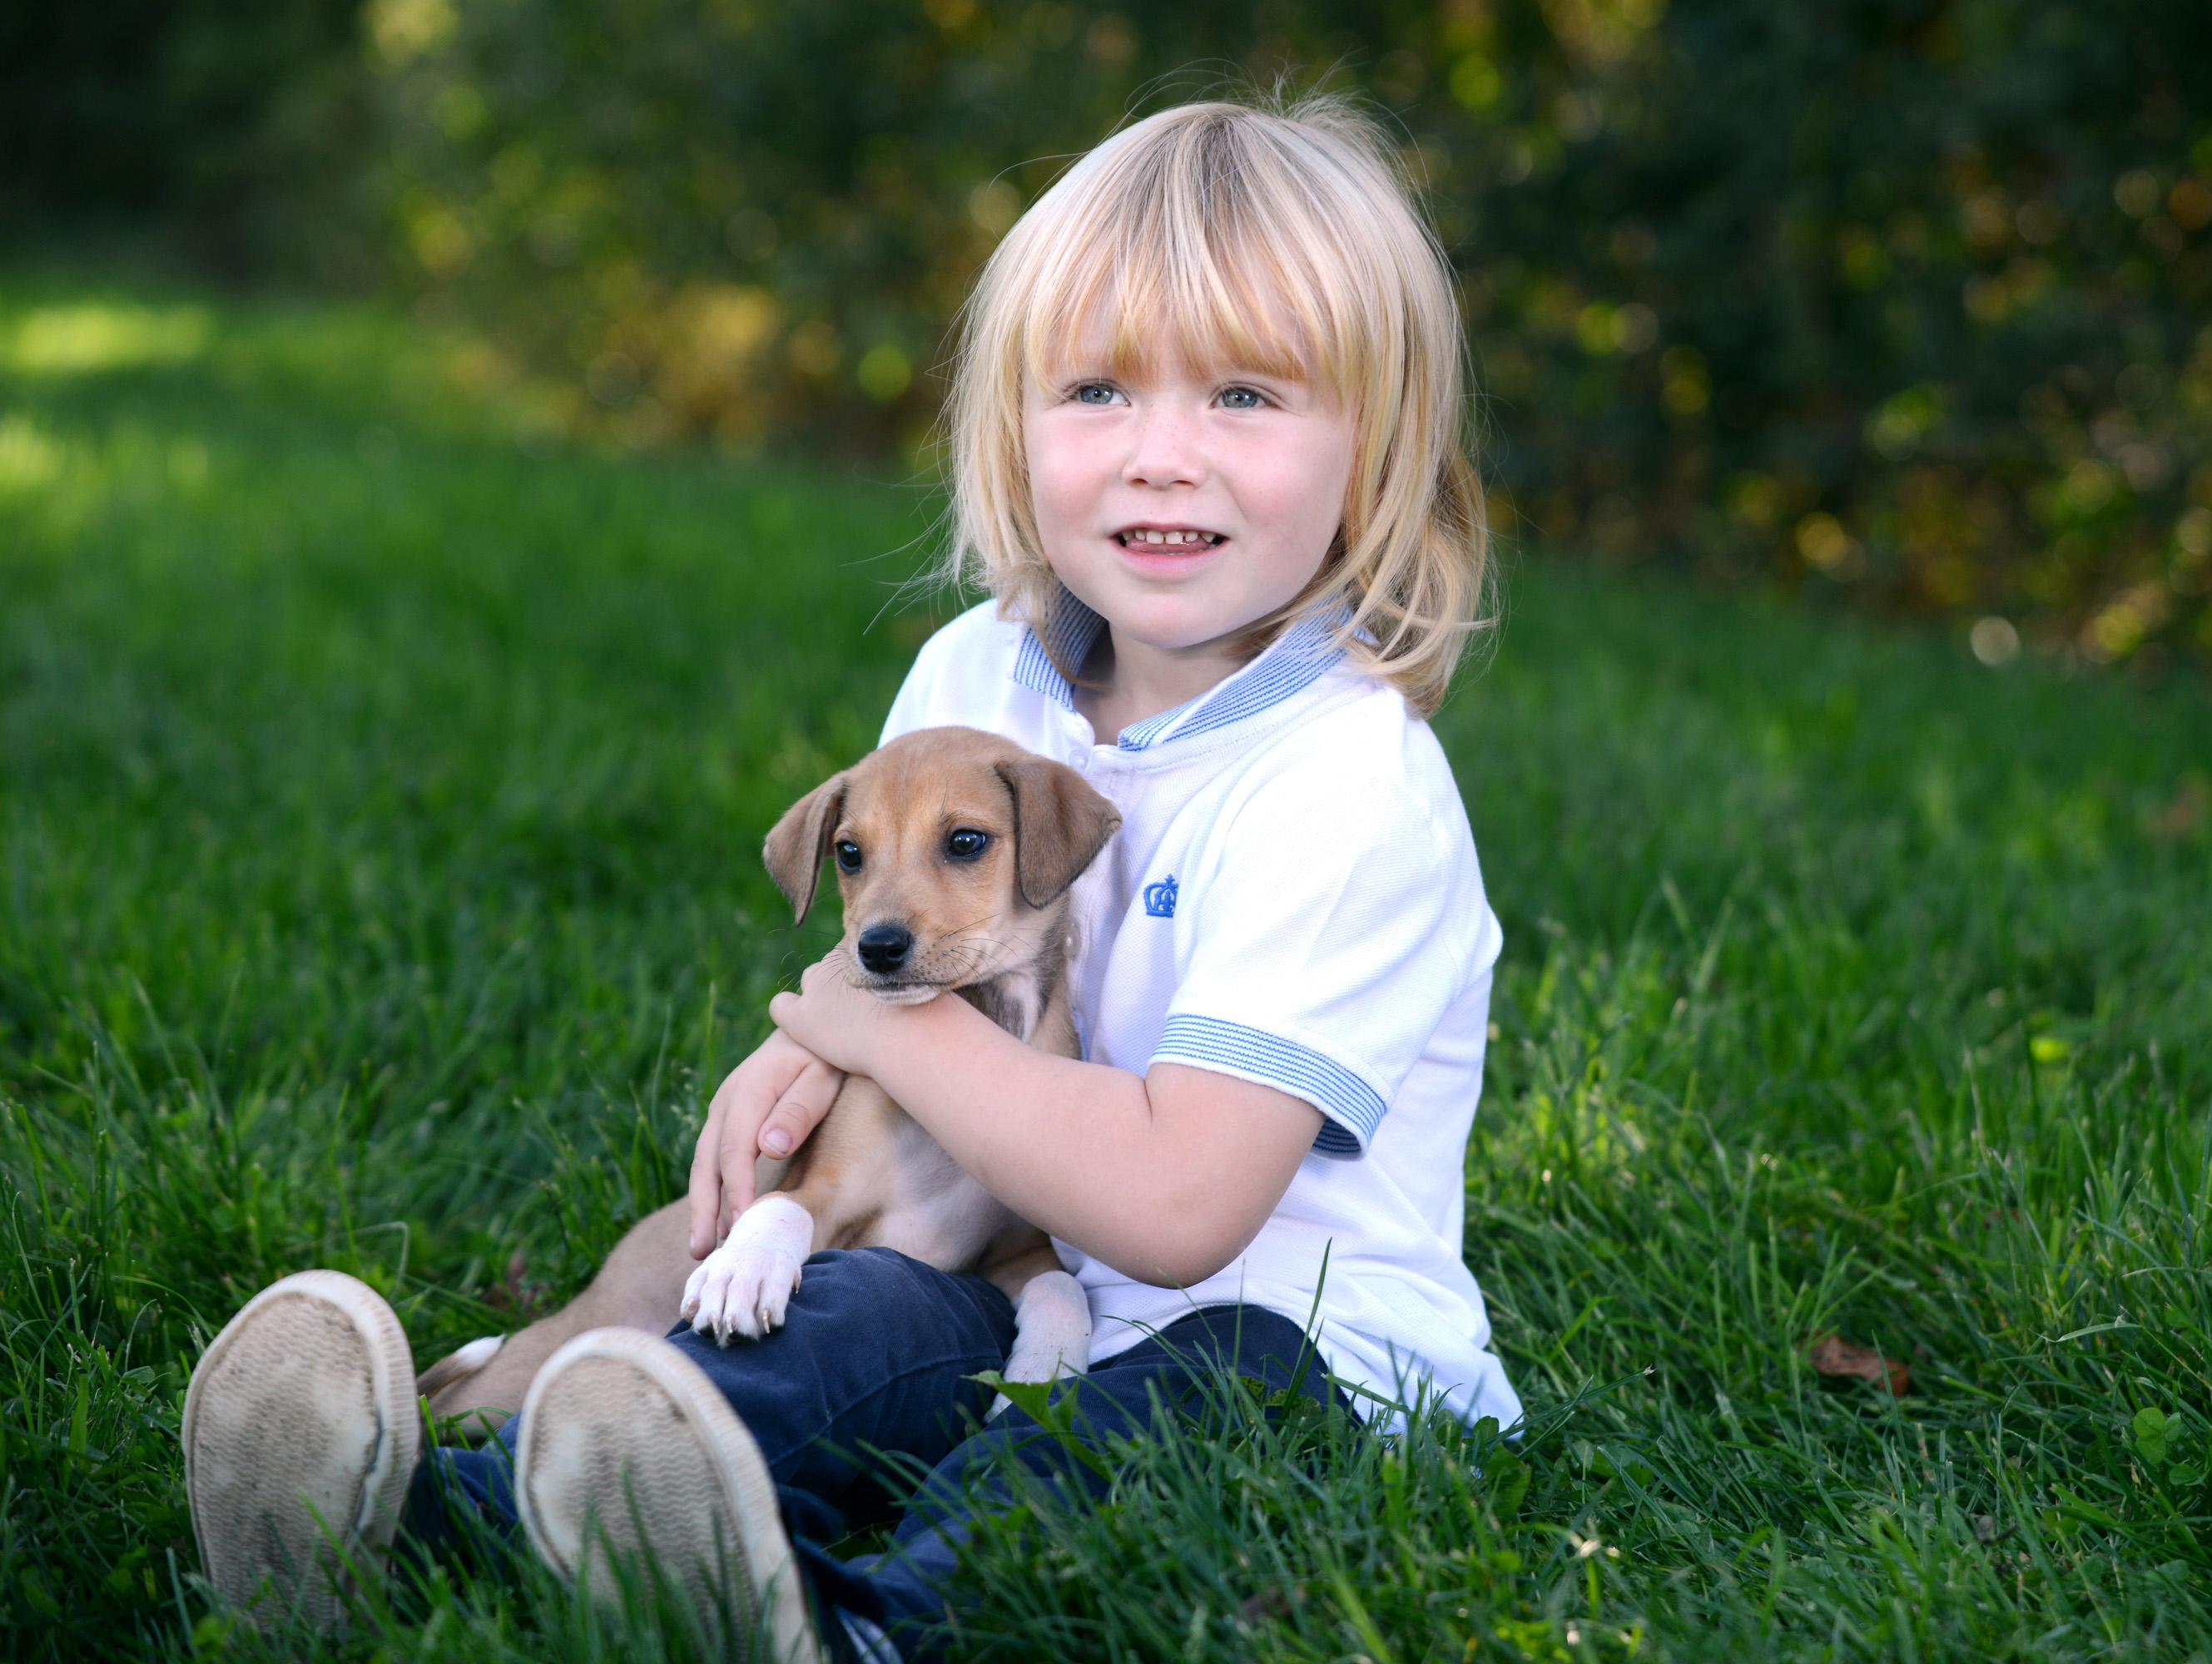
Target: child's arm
(1165, 1177)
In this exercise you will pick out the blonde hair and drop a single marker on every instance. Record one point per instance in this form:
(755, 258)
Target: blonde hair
(1283, 241)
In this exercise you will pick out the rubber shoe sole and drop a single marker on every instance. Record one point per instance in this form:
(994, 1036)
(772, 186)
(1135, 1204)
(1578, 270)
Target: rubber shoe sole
(620, 1430)
(300, 1434)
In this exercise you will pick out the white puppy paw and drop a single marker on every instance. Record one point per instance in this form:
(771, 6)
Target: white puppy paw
(1052, 1332)
(745, 1286)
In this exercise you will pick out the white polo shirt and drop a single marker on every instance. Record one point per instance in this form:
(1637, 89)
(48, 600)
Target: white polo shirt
(1293, 898)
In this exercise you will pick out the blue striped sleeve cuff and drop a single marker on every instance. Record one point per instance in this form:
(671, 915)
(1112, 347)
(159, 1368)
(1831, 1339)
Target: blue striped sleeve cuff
(1350, 1107)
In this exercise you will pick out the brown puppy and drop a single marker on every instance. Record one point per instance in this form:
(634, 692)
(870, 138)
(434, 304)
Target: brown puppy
(955, 850)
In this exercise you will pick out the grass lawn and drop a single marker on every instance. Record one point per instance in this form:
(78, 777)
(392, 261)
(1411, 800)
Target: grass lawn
(380, 808)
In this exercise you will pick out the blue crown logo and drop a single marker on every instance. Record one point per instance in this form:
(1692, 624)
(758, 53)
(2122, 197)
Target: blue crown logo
(1160, 898)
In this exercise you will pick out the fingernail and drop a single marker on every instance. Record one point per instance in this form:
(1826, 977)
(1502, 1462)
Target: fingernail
(776, 1141)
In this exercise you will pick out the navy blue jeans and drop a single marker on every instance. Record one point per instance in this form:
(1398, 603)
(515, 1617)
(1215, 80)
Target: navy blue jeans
(874, 1361)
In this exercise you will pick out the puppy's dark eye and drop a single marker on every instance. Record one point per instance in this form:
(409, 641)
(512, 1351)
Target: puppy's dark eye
(966, 844)
(848, 855)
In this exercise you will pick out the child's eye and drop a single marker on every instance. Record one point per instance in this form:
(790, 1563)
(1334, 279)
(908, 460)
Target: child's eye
(1094, 392)
(848, 855)
(966, 844)
(1242, 398)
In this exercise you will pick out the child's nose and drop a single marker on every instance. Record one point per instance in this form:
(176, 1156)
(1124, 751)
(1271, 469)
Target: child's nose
(1165, 452)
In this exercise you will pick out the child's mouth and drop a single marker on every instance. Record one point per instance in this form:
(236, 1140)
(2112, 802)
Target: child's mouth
(1149, 537)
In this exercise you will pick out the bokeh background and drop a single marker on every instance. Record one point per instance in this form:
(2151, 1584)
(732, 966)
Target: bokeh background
(1900, 303)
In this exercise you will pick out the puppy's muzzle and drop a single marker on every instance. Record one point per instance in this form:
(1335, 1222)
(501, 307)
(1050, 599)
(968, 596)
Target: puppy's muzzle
(884, 948)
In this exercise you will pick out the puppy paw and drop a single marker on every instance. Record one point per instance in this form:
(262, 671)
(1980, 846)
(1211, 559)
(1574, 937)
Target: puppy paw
(745, 1286)
(1052, 1330)
(1040, 1363)
(744, 1293)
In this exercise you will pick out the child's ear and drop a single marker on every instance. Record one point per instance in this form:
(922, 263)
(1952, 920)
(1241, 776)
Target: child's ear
(1060, 825)
(797, 843)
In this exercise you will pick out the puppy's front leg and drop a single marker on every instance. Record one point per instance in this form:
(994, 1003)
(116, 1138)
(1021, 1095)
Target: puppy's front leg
(745, 1286)
(1052, 1329)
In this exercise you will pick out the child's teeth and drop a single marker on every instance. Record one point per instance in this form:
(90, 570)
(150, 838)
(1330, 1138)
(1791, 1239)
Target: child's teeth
(1199, 539)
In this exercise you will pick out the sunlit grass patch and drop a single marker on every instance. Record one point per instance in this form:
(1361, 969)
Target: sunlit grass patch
(88, 336)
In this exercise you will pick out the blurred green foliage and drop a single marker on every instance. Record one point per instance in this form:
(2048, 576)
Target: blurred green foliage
(1903, 299)
(238, 127)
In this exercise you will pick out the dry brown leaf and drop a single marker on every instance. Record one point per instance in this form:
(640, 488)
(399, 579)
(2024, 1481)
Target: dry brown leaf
(1832, 1354)
(1270, 1605)
(515, 1292)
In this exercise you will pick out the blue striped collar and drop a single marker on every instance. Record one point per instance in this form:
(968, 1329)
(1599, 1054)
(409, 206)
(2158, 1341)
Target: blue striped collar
(1305, 652)
(1072, 630)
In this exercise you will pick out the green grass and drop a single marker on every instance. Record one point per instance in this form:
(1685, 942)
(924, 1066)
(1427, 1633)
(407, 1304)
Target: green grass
(380, 809)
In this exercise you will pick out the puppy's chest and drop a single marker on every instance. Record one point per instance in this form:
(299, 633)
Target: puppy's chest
(935, 1212)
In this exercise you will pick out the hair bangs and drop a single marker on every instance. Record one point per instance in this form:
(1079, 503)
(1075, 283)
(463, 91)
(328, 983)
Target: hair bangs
(1187, 246)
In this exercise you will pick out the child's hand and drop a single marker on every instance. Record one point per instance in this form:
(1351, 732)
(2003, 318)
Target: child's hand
(832, 1018)
(765, 1106)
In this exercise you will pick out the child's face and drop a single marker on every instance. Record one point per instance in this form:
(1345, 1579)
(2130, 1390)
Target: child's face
(1239, 477)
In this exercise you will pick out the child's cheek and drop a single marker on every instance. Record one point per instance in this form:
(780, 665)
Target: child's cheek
(1070, 469)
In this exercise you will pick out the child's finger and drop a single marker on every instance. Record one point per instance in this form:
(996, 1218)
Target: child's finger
(719, 1191)
(740, 1152)
(801, 1109)
(707, 1179)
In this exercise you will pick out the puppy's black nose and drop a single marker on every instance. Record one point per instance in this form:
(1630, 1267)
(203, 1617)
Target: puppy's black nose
(884, 947)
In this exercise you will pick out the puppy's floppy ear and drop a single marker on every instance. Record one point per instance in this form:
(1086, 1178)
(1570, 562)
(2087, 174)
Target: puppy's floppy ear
(797, 843)
(1060, 825)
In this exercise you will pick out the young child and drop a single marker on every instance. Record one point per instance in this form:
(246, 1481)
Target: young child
(1207, 457)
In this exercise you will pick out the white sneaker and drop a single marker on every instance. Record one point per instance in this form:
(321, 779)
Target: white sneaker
(300, 1436)
(619, 1429)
